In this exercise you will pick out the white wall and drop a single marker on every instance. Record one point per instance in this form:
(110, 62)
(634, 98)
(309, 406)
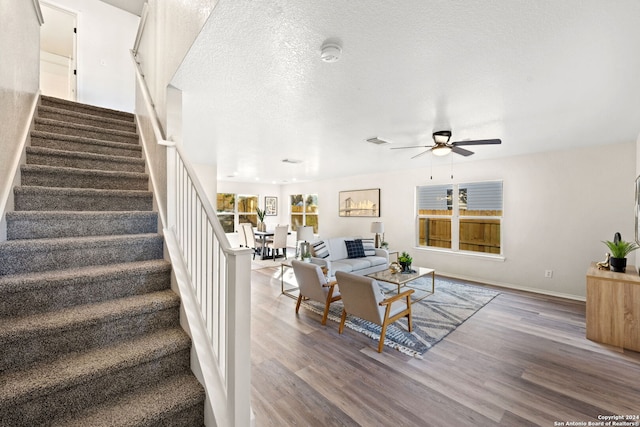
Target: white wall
(19, 82)
(558, 207)
(171, 28)
(105, 69)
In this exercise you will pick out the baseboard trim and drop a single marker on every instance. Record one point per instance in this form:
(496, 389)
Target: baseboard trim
(515, 287)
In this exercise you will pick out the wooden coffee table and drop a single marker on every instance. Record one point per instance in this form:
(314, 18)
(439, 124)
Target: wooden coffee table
(402, 279)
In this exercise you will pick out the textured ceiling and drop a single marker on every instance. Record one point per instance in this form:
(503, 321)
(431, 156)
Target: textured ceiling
(540, 75)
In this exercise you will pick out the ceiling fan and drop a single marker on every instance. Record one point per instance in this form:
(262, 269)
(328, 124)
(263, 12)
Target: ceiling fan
(442, 146)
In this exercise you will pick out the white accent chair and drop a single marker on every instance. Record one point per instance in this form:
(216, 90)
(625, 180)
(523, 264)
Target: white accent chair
(362, 297)
(279, 241)
(314, 286)
(250, 239)
(242, 238)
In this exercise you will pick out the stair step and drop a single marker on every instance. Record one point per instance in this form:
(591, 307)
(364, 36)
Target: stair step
(76, 117)
(37, 337)
(90, 330)
(89, 145)
(71, 384)
(30, 256)
(31, 293)
(83, 160)
(174, 402)
(78, 199)
(50, 224)
(64, 128)
(56, 176)
(48, 101)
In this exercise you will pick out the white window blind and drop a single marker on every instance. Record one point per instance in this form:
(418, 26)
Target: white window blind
(484, 196)
(433, 197)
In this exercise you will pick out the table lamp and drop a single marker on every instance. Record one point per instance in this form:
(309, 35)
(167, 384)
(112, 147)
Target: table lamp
(377, 228)
(304, 234)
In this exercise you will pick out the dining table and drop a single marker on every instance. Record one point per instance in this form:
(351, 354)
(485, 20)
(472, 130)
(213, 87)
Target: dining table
(262, 237)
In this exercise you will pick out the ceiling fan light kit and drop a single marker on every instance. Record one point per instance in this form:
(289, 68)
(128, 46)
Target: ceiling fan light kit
(440, 150)
(442, 146)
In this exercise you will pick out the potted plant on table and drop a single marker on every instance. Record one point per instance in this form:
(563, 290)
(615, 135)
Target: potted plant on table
(261, 225)
(405, 261)
(619, 251)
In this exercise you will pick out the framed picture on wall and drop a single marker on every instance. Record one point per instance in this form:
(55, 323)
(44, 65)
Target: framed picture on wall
(359, 203)
(271, 206)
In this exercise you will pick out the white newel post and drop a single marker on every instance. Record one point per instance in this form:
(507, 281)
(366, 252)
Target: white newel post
(239, 338)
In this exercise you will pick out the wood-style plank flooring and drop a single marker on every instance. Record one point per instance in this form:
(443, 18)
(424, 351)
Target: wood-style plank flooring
(522, 360)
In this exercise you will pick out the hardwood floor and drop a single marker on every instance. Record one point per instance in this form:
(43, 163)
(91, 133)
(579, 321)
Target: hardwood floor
(522, 360)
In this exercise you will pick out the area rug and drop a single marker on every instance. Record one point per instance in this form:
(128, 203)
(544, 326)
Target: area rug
(434, 317)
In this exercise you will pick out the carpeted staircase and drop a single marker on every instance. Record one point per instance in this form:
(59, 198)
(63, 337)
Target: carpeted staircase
(89, 327)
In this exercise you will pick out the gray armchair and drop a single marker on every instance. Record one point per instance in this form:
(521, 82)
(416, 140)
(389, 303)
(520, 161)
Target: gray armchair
(362, 297)
(313, 285)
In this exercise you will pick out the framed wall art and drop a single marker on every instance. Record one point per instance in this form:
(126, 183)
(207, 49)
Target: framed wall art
(271, 206)
(359, 203)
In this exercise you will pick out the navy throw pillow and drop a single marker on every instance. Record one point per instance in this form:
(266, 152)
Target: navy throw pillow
(354, 248)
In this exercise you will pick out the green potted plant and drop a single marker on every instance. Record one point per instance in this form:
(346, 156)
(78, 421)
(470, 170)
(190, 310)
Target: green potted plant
(306, 255)
(619, 250)
(261, 224)
(405, 261)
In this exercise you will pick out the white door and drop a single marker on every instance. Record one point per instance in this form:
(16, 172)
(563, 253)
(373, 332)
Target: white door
(58, 52)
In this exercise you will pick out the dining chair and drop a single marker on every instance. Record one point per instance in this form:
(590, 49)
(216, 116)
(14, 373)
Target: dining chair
(242, 238)
(250, 239)
(362, 297)
(313, 285)
(279, 241)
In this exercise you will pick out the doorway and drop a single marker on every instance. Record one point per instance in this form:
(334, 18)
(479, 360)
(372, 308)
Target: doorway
(58, 43)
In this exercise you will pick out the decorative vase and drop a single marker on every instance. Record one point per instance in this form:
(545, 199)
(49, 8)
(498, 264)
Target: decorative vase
(618, 264)
(262, 226)
(406, 267)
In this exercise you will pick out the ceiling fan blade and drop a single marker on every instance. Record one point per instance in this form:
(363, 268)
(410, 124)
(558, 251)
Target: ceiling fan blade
(461, 151)
(477, 142)
(421, 154)
(413, 146)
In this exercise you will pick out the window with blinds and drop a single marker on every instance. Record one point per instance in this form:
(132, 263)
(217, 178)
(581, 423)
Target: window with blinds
(469, 221)
(435, 208)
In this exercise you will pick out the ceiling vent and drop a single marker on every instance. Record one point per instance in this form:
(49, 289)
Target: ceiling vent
(292, 161)
(377, 141)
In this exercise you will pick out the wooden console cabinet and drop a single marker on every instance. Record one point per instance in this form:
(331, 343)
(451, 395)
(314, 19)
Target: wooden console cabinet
(613, 307)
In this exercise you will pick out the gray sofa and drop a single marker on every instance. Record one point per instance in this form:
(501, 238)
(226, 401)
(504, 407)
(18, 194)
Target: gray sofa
(343, 254)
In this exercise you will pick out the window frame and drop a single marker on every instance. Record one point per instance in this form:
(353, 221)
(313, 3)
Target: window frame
(456, 218)
(236, 213)
(305, 211)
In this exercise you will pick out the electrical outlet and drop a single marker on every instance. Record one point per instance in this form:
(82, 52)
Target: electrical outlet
(548, 274)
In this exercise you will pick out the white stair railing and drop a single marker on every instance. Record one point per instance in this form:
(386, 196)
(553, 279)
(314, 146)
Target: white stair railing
(213, 279)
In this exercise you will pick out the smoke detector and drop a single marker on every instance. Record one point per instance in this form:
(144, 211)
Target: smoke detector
(330, 52)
